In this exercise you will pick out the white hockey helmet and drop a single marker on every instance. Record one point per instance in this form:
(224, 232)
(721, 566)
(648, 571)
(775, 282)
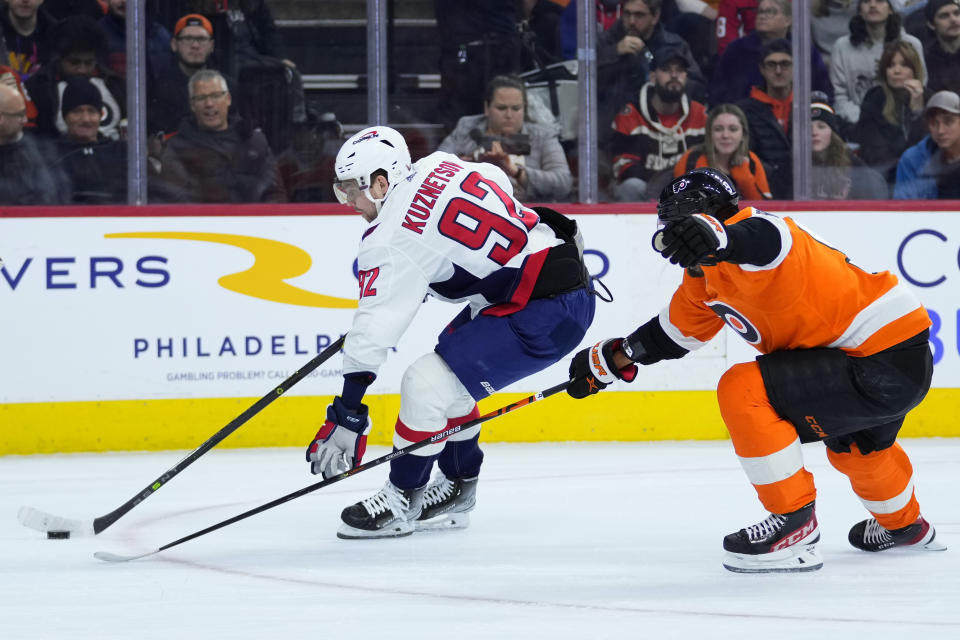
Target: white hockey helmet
(363, 154)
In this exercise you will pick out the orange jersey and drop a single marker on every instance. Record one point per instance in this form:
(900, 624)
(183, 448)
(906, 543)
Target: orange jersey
(809, 296)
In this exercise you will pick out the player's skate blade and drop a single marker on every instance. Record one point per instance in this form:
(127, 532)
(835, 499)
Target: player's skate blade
(445, 522)
(396, 530)
(389, 513)
(793, 559)
(868, 535)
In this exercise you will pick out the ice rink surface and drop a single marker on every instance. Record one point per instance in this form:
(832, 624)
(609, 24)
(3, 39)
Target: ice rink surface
(567, 541)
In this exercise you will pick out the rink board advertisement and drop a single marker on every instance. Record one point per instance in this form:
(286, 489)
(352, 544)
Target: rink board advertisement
(164, 320)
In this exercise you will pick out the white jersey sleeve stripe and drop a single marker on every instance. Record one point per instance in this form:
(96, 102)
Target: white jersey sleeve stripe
(894, 304)
(687, 342)
(774, 467)
(892, 505)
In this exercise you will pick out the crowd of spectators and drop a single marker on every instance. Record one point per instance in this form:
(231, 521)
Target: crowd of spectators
(680, 84)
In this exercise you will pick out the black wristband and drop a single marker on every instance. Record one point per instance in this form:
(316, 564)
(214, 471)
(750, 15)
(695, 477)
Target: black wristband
(650, 344)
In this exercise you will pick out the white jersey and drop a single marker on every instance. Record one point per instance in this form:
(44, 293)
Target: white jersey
(454, 230)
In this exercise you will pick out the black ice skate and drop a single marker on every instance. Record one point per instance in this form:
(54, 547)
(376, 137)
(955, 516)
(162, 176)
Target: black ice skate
(781, 543)
(446, 503)
(870, 536)
(389, 513)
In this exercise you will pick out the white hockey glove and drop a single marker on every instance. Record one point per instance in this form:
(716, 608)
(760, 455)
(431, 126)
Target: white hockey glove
(592, 369)
(341, 442)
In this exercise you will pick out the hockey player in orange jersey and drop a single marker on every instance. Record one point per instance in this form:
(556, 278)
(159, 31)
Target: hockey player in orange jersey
(845, 357)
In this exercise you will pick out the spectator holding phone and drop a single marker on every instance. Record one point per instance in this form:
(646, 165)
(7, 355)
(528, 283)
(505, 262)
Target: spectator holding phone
(530, 154)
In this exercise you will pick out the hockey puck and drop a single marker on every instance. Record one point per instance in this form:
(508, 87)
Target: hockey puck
(58, 535)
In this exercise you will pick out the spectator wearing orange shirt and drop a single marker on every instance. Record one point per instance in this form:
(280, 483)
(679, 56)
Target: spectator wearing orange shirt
(727, 148)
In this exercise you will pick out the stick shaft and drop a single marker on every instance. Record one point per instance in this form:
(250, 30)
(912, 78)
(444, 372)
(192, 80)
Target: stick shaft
(372, 463)
(104, 521)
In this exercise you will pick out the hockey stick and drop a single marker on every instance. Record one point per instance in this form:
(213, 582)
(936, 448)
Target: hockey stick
(113, 557)
(58, 527)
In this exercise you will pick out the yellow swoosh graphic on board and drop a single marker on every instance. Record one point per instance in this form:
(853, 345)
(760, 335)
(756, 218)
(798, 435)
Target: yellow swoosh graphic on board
(274, 262)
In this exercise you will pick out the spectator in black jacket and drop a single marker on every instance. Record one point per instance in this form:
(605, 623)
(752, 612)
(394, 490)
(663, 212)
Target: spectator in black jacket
(213, 159)
(942, 53)
(94, 167)
(768, 110)
(891, 116)
(625, 58)
(25, 178)
(80, 51)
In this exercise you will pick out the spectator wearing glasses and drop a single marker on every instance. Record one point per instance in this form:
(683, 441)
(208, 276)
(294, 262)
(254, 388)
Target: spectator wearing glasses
(738, 68)
(214, 158)
(25, 178)
(168, 100)
(853, 62)
(768, 112)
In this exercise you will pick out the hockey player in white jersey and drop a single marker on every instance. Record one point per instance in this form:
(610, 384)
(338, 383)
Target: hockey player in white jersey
(451, 229)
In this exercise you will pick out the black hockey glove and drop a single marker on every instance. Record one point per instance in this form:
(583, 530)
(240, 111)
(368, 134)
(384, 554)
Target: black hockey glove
(692, 240)
(592, 369)
(341, 442)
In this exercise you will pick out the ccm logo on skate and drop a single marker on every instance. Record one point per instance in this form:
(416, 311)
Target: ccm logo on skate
(796, 536)
(274, 263)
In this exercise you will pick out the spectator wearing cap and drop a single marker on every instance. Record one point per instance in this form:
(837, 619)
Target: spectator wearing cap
(768, 110)
(94, 167)
(213, 158)
(26, 29)
(650, 134)
(930, 169)
(837, 173)
(853, 61)
(625, 53)
(727, 148)
(891, 116)
(25, 178)
(80, 51)
(943, 50)
(736, 70)
(168, 100)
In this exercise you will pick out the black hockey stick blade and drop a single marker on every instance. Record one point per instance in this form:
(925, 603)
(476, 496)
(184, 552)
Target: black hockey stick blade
(46, 522)
(113, 557)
